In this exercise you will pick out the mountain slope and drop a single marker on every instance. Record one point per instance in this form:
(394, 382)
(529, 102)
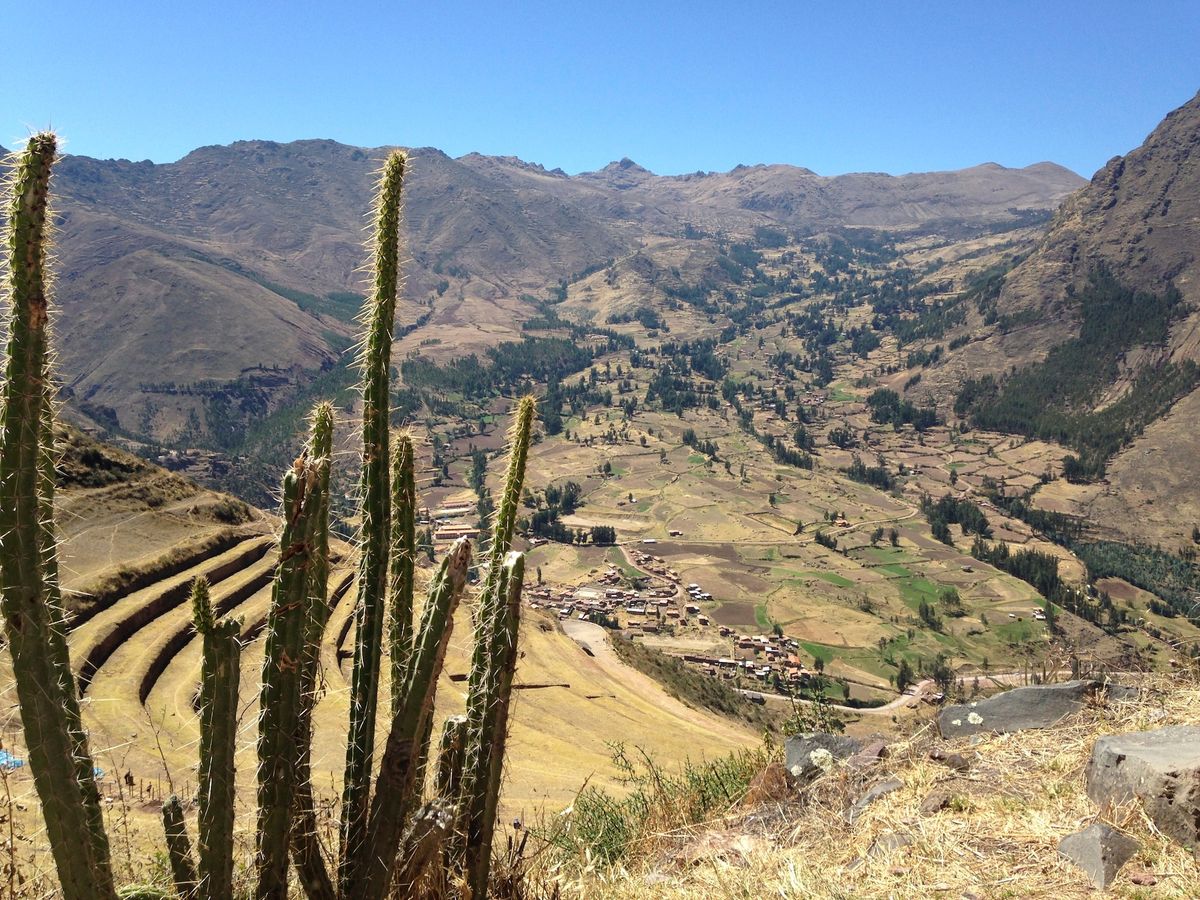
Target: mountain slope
(221, 284)
(1136, 225)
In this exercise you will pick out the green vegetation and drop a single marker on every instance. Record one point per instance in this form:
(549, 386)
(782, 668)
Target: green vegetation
(951, 510)
(887, 408)
(1055, 399)
(1173, 579)
(876, 476)
(607, 829)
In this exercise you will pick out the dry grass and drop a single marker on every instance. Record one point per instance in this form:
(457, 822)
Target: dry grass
(998, 837)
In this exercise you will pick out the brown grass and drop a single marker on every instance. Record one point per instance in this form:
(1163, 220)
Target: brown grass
(998, 837)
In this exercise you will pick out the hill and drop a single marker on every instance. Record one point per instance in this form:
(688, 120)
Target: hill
(200, 295)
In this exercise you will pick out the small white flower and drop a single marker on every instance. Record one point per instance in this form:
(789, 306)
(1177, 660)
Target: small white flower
(822, 759)
(975, 718)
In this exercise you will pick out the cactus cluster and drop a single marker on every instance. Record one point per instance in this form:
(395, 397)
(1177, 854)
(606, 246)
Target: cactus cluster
(391, 836)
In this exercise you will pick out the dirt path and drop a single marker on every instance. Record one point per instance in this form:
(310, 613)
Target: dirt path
(594, 638)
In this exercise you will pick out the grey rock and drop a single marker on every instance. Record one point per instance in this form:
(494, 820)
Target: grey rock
(936, 802)
(798, 752)
(1100, 851)
(1040, 706)
(1160, 768)
(873, 793)
(1120, 692)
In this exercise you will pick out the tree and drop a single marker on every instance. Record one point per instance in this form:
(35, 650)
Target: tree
(894, 537)
(876, 535)
(904, 675)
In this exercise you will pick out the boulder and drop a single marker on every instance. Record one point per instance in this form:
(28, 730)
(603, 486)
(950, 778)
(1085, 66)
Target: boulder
(1159, 768)
(876, 791)
(1040, 706)
(808, 755)
(1100, 851)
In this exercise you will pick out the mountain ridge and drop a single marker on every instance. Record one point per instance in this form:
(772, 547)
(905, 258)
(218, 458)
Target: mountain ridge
(265, 239)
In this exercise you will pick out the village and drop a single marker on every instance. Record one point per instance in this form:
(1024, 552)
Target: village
(662, 606)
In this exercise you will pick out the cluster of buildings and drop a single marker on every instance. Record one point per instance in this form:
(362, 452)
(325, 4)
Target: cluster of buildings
(770, 659)
(766, 658)
(451, 520)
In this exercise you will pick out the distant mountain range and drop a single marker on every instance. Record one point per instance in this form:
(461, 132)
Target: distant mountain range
(242, 263)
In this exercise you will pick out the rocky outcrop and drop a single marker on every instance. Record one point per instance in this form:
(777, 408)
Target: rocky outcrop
(1040, 706)
(808, 755)
(1159, 768)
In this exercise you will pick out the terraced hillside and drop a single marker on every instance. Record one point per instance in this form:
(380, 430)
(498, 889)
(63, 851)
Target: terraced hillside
(136, 536)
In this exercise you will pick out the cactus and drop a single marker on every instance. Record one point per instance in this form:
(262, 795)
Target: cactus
(279, 716)
(485, 755)
(379, 318)
(397, 789)
(404, 556)
(306, 849)
(59, 653)
(179, 849)
(388, 837)
(220, 674)
(489, 624)
(57, 745)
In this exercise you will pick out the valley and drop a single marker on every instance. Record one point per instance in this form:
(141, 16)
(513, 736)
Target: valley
(808, 450)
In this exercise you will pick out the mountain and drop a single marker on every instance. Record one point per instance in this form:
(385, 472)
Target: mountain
(231, 277)
(1105, 314)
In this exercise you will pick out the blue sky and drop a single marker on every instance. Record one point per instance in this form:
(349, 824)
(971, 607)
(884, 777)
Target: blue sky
(837, 87)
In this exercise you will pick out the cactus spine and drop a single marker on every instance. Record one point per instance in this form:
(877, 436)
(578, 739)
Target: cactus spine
(379, 318)
(219, 677)
(404, 556)
(58, 752)
(179, 850)
(279, 716)
(450, 758)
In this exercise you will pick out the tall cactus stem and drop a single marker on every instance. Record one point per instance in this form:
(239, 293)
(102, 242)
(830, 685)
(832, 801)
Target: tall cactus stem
(397, 793)
(56, 744)
(84, 769)
(306, 845)
(403, 561)
(488, 622)
(179, 850)
(375, 362)
(481, 781)
(280, 698)
(220, 673)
